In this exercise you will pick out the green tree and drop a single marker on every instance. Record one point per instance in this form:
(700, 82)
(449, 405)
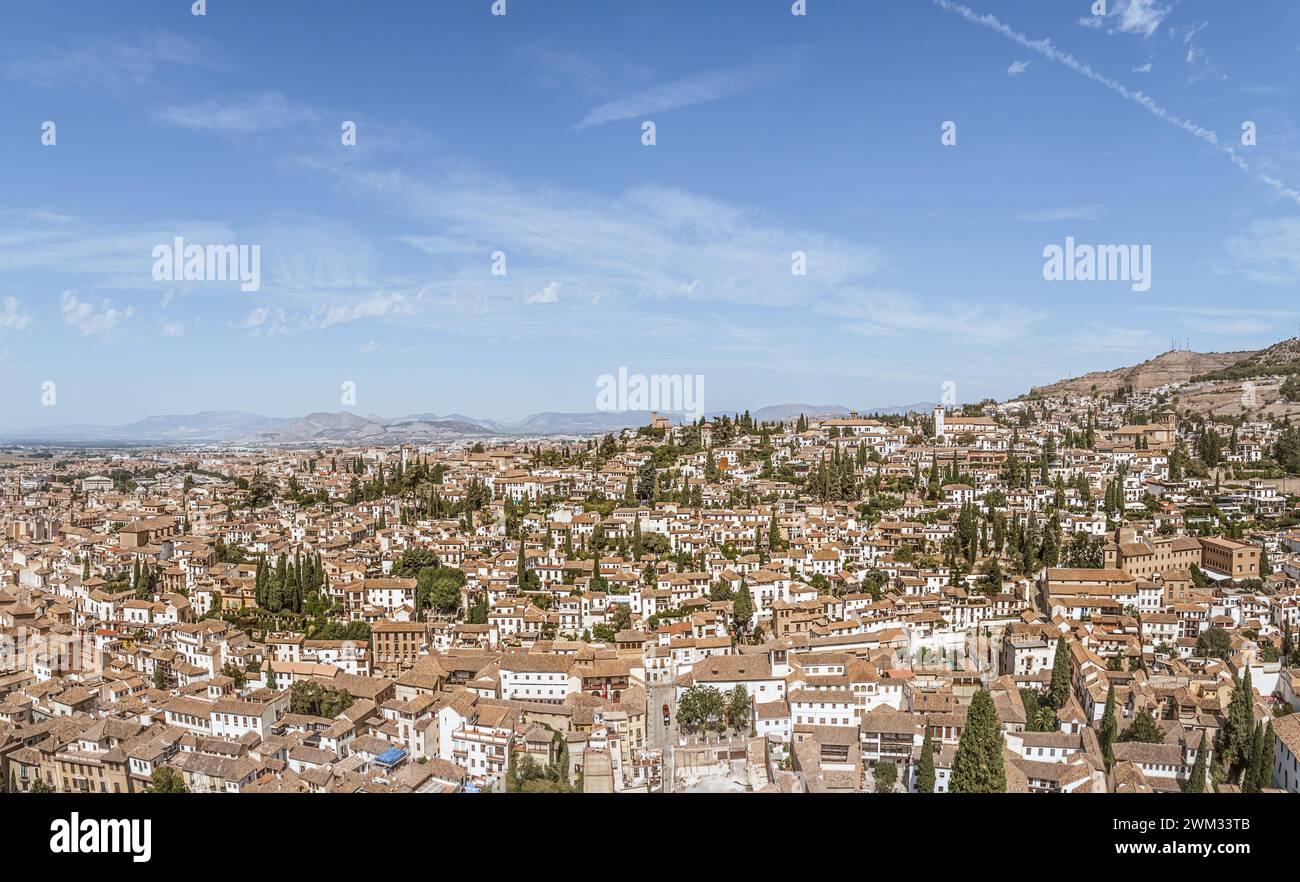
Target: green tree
(165, 779)
(1239, 734)
(738, 708)
(438, 587)
(1059, 691)
(925, 769)
(886, 775)
(701, 709)
(1196, 783)
(742, 609)
(413, 560)
(1264, 760)
(1109, 726)
(1144, 729)
(1251, 777)
(1214, 643)
(978, 766)
(310, 698)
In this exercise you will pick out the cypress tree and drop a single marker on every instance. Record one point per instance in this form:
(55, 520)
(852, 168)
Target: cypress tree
(1248, 767)
(925, 769)
(978, 766)
(1109, 726)
(1060, 688)
(1196, 783)
(1264, 760)
(1240, 732)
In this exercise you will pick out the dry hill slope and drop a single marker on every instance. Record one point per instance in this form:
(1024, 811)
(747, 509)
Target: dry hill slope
(1177, 366)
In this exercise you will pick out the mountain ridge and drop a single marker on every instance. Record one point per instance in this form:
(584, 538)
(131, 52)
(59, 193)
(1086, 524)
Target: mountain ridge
(233, 426)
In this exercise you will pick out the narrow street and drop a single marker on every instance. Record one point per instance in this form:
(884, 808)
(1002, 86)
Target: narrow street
(662, 736)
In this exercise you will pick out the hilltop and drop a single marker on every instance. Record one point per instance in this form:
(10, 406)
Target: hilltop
(1225, 384)
(1175, 366)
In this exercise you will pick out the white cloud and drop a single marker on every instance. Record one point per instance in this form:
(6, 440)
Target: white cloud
(368, 347)
(246, 116)
(171, 329)
(115, 257)
(1109, 338)
(103, 321)
(1017, 68)
(1141, 16)
(1130, 17)
(1045, 48)
(264, 320)
(256, 318)
(377, 305)
(880, 313)
(646, 243)
(111, 65)
(12, 317)
(1143, 68)
(549, 294)
(1069, 212)
(699, 88)
(1268, 251)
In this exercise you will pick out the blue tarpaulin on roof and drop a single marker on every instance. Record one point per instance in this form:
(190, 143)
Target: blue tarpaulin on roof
(391, 757)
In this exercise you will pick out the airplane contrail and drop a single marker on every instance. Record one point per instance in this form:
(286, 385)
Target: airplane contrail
(1045, 48)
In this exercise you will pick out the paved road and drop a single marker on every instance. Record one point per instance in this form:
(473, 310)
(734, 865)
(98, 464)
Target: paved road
(661, 736)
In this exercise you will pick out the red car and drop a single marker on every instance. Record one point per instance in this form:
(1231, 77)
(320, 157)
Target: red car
(666, 714)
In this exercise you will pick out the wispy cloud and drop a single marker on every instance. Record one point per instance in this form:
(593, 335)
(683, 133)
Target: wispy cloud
(1063, 213)
(1217, 321)
(1110, 338)
(1017, 68)
(649, 243)
(1195, 55)
(1268, 251)
(699, 88)
(116, 258)
(1045, 48)
(245, 116)
(111, 65)
(377, 305)
(880, 313)
(555, 67)
(1130, 17)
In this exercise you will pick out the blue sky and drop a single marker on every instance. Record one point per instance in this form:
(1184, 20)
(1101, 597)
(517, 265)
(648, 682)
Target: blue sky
(522, 134)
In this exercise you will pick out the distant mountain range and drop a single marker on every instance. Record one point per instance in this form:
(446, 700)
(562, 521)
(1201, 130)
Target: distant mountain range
(238, 427)
(1226, 383)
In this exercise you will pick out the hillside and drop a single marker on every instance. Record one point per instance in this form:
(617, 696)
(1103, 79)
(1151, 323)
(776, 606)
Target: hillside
(1177, 366)
(1225, 384)
(1280, 359)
